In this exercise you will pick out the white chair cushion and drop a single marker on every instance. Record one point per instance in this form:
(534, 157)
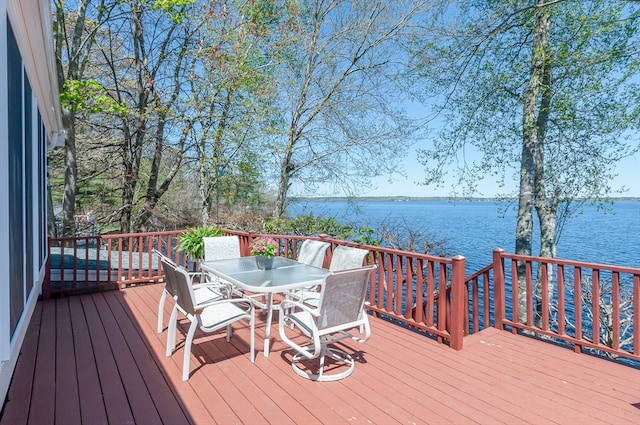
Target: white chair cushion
(217, 315)
(206, 295)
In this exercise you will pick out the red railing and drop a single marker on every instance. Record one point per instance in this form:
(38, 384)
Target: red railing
(478, 299)
(427, 293)
(587, 305)
(106, 262)
(403, 280)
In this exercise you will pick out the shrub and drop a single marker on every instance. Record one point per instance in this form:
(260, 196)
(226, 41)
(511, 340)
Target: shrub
(191, 242)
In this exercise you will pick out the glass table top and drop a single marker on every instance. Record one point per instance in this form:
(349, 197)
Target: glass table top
(285, 274)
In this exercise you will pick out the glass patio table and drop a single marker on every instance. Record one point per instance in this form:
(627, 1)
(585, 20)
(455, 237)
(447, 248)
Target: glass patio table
(284, 275)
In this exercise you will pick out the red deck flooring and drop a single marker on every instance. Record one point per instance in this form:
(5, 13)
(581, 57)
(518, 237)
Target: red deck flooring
(94, 359)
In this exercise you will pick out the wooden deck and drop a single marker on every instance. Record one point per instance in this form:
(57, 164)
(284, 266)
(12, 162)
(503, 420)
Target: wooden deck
(96, 359)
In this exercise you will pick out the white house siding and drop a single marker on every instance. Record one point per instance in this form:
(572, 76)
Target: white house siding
(29, 124)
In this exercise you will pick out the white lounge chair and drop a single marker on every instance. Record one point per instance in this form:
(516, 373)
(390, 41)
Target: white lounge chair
(344, 258)
(340, 310)
(204, 292)
(221, 247)
(347, 257)
(312, 252)
(209, 317)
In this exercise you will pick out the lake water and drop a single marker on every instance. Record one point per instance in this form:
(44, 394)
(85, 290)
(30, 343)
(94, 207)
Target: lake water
(474, 228)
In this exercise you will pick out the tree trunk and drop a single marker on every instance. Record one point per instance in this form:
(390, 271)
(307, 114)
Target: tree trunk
(204, 189)
(74, 72)
(286, 169)
(545, 208)
(133, 140)
(534, 124)
(70, 176)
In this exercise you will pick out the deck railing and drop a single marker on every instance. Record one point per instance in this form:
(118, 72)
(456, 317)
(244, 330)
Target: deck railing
(106, 261)
(587, 305)
(427, 293)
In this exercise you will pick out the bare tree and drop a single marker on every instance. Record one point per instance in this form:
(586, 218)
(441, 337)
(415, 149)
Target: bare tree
(230, 80)
(341, 121)
(142, 67)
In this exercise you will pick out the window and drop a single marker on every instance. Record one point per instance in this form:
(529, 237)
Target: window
(16, 179)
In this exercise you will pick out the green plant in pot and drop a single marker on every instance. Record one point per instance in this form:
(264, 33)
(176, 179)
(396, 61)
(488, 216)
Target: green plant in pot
(191, 241)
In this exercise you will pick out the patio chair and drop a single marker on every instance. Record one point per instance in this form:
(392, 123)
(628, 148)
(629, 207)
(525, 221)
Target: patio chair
(204, 292)
(347, 257)
(312, 252)
(341, 310)
(221, 247)
(344, 258)
(209, 317)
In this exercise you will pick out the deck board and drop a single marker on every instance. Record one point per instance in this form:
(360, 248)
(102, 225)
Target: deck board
(113, 393)
(147, 369)
(43, 397)
(92, 408)
(66, 391)
(17, 411)
(97, 358)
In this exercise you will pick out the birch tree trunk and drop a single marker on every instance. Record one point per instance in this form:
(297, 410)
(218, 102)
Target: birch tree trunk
(532, 161)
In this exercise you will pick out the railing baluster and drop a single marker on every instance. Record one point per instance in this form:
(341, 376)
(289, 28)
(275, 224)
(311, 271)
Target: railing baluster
(420, 290)
(615, 295)
(398, 285)
(515, 297)
(577, 302)
(544, 277)
(561, 302)
(595, 306)
(636, 314)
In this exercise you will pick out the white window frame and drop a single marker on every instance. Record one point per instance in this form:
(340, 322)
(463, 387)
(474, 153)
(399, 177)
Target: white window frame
(5, 332)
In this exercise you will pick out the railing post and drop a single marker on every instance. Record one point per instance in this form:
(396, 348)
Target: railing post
(458, 306)
(46, 284)
(498, 288)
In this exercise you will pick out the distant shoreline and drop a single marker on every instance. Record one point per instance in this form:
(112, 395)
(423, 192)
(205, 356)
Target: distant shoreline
(423, 198)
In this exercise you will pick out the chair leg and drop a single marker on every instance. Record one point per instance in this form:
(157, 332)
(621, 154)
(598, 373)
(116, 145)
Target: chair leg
(229, 332)
(163, 298)
(335, 354)
(187, 349)
(252, 327)
(171, 331)
(323, 353)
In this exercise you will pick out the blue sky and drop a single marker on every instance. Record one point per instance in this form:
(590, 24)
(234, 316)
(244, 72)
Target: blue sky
(628, 170)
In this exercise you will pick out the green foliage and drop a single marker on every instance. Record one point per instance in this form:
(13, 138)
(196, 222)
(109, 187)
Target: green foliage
(241, 184)
(366, 236)
(191, 241)
(311, 225)
(168, 5)
(261, 14)
(480, 66)
(175, 9)
(89, 96)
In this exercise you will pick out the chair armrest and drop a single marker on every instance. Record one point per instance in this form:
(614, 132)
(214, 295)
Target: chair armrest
(193, 275)
(224, 301)
(284, 304)
(209, 285)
